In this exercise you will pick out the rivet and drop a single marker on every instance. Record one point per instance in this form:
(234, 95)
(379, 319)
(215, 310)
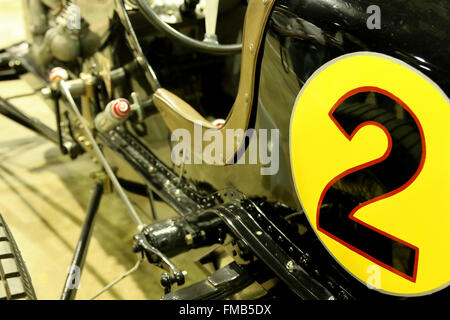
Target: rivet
(251, 47)
(290, 266)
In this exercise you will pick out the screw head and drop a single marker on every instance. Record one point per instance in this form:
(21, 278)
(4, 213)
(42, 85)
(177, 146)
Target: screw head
(189, 239)
(251, 47)
(290, 266)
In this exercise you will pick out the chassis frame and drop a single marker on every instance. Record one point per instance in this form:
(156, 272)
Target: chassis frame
(242, 217)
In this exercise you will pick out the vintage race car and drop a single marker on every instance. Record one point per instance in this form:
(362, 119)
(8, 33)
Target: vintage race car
(308, 138)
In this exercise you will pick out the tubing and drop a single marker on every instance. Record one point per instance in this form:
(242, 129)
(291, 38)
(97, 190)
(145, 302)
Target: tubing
(206, 47)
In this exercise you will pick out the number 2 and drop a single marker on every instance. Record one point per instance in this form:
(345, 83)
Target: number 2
(388, 173)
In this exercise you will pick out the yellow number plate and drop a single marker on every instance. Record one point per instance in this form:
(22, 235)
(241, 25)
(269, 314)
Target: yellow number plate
(413, 213)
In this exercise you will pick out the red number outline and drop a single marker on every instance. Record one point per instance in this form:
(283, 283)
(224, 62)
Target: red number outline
(368, 164)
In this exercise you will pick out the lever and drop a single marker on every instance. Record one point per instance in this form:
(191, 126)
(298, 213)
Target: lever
(211, 13)
(173, 274)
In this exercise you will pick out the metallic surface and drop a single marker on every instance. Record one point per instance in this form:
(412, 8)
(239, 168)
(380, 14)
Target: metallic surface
(228, 205)
(169, 236)
(136, 47)
(72, 105)
(10, 111)
(75, 268)
(413, 31)
(220, 285)
(302, 36)
(289, 61)
(48, 26)
(44, 196)
(177, 235)
(173, 275)
(263, 245)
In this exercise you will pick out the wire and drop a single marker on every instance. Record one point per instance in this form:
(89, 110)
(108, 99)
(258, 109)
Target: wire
(111, 284)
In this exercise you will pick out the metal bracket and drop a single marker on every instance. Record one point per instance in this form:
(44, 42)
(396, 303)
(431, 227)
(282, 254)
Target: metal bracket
(173, 274)
(234, 212)
(220, 285)
(241, 215)
(103, 177)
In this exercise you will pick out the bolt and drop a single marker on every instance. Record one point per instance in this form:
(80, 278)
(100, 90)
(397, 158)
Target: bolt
(46, 92)
(305, 259)
(189, 239)
(290, 266)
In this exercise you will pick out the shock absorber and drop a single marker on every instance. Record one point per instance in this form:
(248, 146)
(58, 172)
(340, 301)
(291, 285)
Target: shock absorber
(180, 234)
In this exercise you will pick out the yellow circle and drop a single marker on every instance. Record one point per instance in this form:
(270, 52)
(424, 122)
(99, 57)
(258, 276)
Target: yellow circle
(420, 214)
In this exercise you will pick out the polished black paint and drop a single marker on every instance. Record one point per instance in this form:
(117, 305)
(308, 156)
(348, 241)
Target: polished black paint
(415, 31)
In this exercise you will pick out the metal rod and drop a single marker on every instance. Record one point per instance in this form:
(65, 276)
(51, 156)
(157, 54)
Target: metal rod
(74, 276)
(126, 274)
(133, 42)
(62, 148)
(73, 107)
(151, 199)
(10, 111)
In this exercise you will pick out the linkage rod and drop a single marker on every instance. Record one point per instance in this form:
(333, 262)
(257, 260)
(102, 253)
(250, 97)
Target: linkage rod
(66, 93)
